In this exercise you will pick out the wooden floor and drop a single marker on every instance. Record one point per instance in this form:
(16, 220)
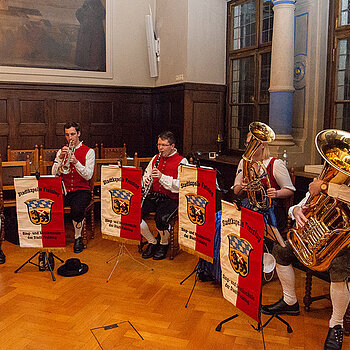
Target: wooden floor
(37, 313)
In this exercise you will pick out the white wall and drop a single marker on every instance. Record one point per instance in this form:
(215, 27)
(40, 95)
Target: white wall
(206, 47)
(192, 44)
(172, 30)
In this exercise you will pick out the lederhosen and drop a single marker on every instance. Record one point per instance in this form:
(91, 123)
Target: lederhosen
(78, 194)
(160, 200)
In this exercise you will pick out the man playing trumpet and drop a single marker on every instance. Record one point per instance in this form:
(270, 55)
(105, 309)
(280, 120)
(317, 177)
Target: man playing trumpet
(75, 164)
(162, 178)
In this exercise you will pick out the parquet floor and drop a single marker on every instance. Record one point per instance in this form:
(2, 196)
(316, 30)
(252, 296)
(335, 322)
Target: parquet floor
(37, 313)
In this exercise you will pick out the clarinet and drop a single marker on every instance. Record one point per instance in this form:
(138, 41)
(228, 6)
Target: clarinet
(148, 187)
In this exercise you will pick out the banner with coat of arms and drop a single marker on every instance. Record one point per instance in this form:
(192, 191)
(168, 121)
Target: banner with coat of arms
(242, 235)
(40, 212)
(197, 211)
(121, 203)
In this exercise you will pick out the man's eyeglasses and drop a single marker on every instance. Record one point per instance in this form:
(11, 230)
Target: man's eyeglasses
(162, 145)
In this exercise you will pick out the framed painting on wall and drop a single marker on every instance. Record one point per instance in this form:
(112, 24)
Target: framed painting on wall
(66, 36)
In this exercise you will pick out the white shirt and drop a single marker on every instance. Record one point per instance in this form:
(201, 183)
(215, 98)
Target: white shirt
(86, 172)
(168, 182)
(340, 192)
(280, 173)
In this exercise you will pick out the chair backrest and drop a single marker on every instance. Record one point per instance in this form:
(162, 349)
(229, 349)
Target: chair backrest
(48, 154)
(45, 166)
(21, 155)
(12, 169)
(114, 153)
(141, 162)
(98, 165)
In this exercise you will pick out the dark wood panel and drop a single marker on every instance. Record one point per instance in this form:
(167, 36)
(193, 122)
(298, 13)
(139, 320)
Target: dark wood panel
(31, 111)
(36, 113)
(3, 111)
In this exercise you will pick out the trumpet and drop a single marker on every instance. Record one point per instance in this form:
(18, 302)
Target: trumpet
(65, 165)
(147, 188)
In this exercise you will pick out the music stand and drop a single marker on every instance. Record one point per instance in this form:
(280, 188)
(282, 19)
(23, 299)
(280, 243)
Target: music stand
(122, 250)
(47, 265)
(261, 325)
(196, 278)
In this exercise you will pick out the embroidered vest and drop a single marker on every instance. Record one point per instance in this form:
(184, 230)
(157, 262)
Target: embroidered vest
(73, 181)
(167, 166)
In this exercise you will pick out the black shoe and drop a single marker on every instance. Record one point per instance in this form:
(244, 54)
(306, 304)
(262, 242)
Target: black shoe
(150, 251)
(2, 257)
(281, 308)
(334, 339)
(41, 261)
(51, 261)
(160, 254)
(78, 245)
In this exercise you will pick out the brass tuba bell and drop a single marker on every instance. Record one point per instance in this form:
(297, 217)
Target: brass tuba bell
(327, 230)
(254, 174)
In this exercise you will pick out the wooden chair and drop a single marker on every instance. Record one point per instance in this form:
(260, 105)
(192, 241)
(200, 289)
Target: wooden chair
(141, 162)
(48, 154)
(21, 155)
(45, 169)
(2, 218)
(10, 170)
(114, 153)
(97, 183)
(174, 248)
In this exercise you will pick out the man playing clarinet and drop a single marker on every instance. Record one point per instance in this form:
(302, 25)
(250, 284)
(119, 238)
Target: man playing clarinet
(161, 181)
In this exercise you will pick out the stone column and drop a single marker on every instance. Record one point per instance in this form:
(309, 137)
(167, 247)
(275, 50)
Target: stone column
(282, 66)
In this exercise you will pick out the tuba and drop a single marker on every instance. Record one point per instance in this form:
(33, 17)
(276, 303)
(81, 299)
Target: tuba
(327, 230)
(65, 165)
(253, 175)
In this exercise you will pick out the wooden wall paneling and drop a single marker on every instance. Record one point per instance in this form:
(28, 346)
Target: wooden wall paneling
(102, 126)
(66, 110)
(85, 122)
(134, 119)
(13, 116)
(32, 124)
(4, 127)
(169, 112)
(203, 117)
(51, 140)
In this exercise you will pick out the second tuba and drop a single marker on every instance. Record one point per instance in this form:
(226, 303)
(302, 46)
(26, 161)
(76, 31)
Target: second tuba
(327, 230)
(255, 171)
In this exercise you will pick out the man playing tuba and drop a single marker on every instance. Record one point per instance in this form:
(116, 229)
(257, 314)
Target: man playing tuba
(320, 191)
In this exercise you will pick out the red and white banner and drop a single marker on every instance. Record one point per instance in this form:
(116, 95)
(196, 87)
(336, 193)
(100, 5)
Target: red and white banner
(121, 203)
(40, 212)
(242, 235)
(197, 211)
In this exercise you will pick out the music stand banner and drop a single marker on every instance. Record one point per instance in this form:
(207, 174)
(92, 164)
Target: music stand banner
(121, 203)
(242, 235)
(40, 212)
(197, 211)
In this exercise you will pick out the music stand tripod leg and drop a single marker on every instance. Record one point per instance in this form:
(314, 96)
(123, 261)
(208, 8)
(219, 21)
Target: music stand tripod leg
(196, 278)
(194, 271)
(29, 261)
(122, 249)
(49, 266)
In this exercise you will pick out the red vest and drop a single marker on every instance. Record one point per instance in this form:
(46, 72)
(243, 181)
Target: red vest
(273, 181)
(167, 166)
(73, 181)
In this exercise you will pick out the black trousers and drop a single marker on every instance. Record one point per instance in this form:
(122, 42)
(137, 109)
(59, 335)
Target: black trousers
(164, 207)
(77, 201)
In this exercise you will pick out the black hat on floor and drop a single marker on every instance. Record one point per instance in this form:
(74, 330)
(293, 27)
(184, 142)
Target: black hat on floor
(72, 267)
